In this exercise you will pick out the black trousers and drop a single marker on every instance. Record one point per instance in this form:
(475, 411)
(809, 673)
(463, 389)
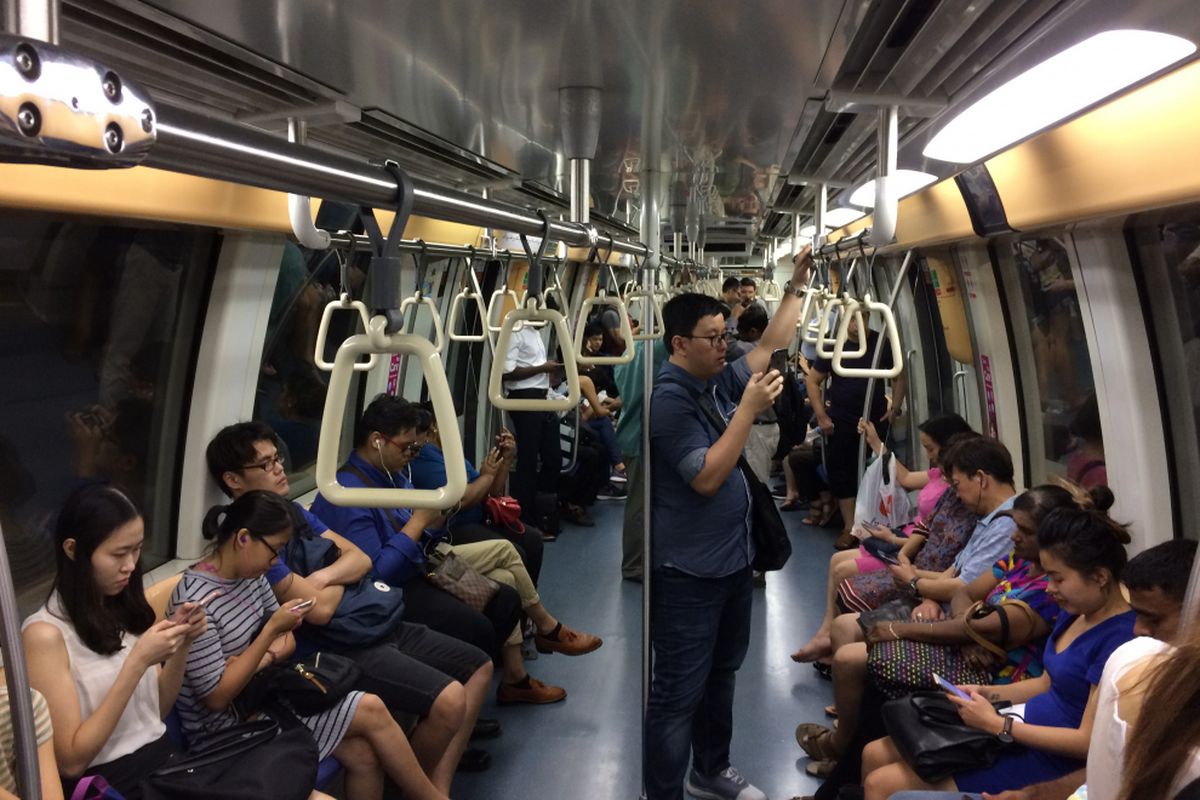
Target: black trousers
(590, 474)
(425, 604)
(539, 458)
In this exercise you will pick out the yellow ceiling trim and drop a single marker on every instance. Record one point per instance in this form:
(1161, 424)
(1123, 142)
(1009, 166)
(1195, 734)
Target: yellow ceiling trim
(156, 195)
(1134, 153)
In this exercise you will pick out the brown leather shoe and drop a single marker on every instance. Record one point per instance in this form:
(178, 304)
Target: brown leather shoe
(566, 641)
(845, 541)
(537, 693)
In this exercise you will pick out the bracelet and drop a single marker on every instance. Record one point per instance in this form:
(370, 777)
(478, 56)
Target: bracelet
(892, 631)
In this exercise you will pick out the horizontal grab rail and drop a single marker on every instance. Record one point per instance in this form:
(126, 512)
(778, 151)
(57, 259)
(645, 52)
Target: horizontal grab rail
(376, 340)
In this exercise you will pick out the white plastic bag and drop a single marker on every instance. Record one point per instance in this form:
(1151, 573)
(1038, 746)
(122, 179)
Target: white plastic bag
(881, 500)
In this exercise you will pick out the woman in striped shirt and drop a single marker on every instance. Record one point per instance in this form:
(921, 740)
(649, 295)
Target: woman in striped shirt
(248, 630)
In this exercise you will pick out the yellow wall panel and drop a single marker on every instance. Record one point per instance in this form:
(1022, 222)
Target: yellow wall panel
(1132, 154)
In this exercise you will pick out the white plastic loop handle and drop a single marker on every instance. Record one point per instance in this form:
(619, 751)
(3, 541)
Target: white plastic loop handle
(452, 317)
(332, 422)
(626, 329)
(496, 303)
(771, 292)
(850, 309)
(419, 299)
(806, 309)
(893, 336)
(652, 320)
(343, 304)
(827, 344)
(496, 381)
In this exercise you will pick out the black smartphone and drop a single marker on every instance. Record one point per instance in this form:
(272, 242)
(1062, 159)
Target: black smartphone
(779, 361)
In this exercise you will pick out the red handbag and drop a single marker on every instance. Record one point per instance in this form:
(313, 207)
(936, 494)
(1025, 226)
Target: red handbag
(504, 512)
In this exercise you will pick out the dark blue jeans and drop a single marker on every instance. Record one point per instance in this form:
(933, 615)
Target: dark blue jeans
(700, 634)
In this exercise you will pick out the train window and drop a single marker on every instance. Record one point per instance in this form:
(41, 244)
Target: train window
(291, 389)
(1056, 371)
(1169, 256)
(100, 327)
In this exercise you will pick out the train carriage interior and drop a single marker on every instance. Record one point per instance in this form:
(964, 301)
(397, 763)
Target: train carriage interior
(289, 212)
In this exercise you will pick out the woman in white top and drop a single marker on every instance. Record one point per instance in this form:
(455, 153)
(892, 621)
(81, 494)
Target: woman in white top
(108, 671)
(1159, 699)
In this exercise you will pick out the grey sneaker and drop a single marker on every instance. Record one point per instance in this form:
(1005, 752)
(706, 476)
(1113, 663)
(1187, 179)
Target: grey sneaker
(727, 785)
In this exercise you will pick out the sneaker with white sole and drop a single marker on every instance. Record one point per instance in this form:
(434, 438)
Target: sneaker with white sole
(726, 785)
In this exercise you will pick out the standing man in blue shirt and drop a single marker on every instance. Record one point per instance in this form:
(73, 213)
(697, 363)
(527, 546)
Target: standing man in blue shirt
(701, 552)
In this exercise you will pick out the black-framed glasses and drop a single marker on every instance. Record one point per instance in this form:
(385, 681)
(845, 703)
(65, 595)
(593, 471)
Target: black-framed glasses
(266, 544)
(267, 465)
(410, 448)
(715, 339)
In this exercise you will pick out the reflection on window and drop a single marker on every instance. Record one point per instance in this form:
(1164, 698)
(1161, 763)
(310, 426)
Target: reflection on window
(99, 327)
(1062, 367)
(291, 389)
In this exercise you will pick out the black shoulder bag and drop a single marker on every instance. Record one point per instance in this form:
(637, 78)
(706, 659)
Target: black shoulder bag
(772, 548)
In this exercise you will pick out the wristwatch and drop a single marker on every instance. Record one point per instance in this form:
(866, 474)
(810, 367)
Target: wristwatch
(912, 587)
(1005, 735)
(792, 290)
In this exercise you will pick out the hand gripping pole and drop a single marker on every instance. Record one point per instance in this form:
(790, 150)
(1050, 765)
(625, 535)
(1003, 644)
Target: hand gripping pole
(602, 299)
(377, 340)
(893, 336)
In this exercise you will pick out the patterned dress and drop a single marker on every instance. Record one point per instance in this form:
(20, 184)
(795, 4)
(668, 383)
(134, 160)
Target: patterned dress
(950, 526)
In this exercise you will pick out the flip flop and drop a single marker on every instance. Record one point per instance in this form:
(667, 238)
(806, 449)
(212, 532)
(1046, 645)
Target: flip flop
(820, 769)
(790, 505)
(831, 711)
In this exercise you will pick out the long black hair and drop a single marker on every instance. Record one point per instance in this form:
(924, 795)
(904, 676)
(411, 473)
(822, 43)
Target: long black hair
(90, 515)
(260, 513)
(1088, 541)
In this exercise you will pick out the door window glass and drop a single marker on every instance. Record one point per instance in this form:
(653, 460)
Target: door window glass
(1056, 367)
(100, 325)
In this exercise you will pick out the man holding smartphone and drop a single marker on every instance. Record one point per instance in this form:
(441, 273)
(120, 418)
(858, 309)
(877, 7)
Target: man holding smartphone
(702, 549)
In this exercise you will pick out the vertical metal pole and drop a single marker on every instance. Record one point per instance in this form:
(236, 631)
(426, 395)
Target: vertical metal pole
(35, 19)
(651, 225)
(16, 676)
(581, 190)
(862, 442)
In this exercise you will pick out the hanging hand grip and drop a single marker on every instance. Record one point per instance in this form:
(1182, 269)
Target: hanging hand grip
(328, 453)
(456, 311)
(497, 303)
(496, 381)
(419, 299)
(652, 324)
(771, 292)
(344, 304)
(849, 307)
(893, 336)
(626, 330)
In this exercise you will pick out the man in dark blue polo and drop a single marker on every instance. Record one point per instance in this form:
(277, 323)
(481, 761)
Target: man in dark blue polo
(701, 547)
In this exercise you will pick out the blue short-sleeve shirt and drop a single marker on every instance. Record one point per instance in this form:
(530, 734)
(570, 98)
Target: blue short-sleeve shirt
(708, 537)
(990, 542)
(428, 471)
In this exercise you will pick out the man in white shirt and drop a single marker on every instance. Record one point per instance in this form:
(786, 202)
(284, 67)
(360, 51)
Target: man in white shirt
(527, 375)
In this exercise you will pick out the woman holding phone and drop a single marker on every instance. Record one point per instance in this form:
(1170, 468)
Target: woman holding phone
(108, 671)
(249, 630)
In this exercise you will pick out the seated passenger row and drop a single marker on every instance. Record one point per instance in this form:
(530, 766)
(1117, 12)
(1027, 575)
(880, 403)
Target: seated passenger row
(278, 586)
(1033, 627)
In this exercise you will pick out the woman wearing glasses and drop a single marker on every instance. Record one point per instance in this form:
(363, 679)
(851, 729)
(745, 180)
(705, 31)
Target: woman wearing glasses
(250, 630)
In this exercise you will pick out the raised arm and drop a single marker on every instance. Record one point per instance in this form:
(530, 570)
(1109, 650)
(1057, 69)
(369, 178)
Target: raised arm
(721, 458)
(913, 481)
(781, 330)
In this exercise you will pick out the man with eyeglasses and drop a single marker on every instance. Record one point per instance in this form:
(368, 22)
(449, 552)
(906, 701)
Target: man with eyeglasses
(700, 561)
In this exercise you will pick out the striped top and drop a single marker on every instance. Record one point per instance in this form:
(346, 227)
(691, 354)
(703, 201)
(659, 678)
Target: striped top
(94, 674)
(234, 620)
(41, 727)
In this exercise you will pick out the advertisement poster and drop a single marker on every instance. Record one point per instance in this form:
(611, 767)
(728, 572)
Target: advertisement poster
(393, 374)
(989, 394)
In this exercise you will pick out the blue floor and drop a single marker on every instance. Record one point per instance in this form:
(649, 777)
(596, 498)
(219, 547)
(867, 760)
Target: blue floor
(588, 747)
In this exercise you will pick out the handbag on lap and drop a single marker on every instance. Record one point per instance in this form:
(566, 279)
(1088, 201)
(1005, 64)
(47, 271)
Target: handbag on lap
(454, 575)
(933, 739)
(249, 761)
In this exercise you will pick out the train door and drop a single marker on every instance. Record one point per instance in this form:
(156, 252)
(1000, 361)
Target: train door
(959, 381)
(989, 383)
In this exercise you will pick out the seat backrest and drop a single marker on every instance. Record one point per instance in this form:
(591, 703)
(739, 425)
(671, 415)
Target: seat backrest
(159, 594)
